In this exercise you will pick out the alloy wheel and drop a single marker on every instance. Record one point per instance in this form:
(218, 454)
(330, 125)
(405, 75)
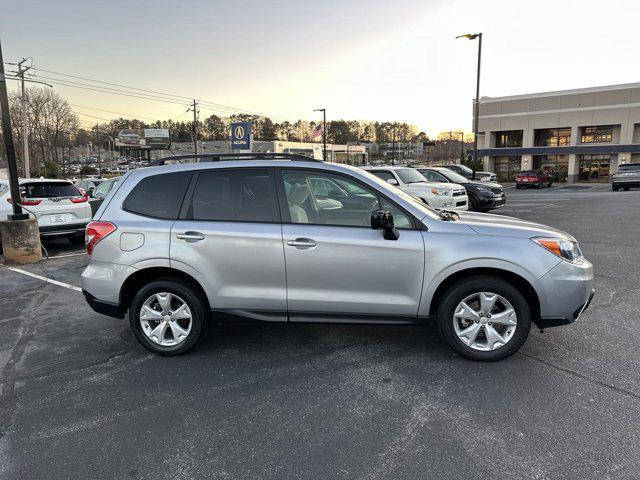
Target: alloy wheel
(165, 319)
(485, 321)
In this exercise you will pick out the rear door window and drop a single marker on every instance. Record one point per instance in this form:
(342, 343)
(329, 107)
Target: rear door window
(48, 190)
(158, 196)
(233, 195)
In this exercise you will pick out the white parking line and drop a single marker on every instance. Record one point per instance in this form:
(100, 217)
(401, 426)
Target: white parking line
(48, 280)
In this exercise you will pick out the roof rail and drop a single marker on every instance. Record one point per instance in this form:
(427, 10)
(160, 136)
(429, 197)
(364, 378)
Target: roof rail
(226, 157)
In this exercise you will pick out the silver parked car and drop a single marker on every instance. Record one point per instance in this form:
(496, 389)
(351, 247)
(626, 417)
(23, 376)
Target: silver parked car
(284, 238)
(626, 176)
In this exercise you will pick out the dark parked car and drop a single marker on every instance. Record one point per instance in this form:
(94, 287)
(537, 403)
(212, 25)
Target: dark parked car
(483, 196)
(533, 178)
(467, 173)
(626, 176)
(97, 195)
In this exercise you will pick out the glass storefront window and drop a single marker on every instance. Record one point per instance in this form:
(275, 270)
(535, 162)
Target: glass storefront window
(597, 134)
(552, 137)
(555, 165)
(509, 138)
(507, 168)
(595, 168)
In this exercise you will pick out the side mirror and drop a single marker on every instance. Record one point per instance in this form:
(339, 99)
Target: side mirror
(392, 181)
(90, 192)
(383, 220)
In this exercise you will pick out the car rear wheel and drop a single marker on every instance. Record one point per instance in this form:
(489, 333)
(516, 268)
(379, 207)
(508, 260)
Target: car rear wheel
(626, 189)
(484, 318)
(168, 316)
(615, 187)
(518, 187)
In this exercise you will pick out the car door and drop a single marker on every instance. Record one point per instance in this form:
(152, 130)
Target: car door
(340, 269)
(229, 233)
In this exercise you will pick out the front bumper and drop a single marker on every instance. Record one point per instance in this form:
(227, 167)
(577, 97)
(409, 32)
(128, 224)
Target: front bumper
(564, 293)
(492, 201)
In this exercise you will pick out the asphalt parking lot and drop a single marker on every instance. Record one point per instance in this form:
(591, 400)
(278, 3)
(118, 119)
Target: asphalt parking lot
(80, 399)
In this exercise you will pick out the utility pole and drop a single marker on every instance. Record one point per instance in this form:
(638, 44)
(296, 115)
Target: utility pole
(25, 133)
(195, 126)
(9, 148)
(98, 145)
(324, 132)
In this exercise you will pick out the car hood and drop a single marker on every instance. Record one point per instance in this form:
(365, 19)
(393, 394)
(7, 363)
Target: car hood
(500, 225)
(427, 186)
(477, 183)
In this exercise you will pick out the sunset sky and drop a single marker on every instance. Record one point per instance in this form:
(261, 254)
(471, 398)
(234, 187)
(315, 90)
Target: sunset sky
(369, 60)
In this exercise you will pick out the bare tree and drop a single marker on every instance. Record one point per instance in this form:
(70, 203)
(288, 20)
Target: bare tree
(51, 123)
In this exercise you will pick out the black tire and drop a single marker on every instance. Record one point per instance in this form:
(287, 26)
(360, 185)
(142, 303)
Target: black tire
(200, 315)
(518, 187)
(549, 184)
(474, 203)
(467, 286)
(76, 239)
(626, 189)
(615, 187)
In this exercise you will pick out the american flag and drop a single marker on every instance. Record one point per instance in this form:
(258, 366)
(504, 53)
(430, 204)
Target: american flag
(317, 131)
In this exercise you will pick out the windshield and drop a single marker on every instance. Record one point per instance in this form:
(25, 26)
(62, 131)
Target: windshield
(453, 176)
(629, 167)
(409, 175)
(405, 196)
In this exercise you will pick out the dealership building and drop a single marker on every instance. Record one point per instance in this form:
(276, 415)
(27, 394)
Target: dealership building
(576, 135)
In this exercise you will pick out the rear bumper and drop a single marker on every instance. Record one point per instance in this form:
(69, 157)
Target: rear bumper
(105, 308)
(63, 230)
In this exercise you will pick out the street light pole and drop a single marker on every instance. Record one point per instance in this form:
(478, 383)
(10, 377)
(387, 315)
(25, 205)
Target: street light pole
(476, 107)
(324, 132)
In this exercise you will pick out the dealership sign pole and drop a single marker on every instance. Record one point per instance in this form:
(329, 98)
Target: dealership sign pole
(9, 149)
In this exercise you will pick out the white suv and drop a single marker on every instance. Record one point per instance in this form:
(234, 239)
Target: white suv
(450, 196)
(61, 209)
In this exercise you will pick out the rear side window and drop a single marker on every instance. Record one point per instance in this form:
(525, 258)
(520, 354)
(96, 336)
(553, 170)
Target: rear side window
(48, 190)
(233, 195)
(158, 196)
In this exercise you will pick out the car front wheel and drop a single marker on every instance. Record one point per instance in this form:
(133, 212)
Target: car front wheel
(615, 187)
(168, 316)
(484, 318)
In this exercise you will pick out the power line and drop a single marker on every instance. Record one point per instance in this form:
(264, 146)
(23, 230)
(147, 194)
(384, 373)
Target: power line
(166, 96)
(111, 111)
(97, 88)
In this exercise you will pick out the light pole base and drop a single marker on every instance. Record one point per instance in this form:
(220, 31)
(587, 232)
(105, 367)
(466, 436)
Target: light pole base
(20, 241)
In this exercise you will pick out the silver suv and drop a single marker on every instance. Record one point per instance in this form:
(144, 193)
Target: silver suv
(282, 238)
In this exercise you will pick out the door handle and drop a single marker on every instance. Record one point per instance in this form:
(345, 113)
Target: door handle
(191, 236)
(302, 243)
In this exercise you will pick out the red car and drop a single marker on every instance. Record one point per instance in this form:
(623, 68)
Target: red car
(533, 178)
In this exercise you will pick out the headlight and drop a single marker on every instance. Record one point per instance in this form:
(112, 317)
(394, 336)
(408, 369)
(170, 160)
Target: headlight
(441, 191)
(569, 251)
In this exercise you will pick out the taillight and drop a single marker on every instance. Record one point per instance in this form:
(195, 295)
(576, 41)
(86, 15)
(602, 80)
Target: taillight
(95, 232)
(84, 198)
(27, 202)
